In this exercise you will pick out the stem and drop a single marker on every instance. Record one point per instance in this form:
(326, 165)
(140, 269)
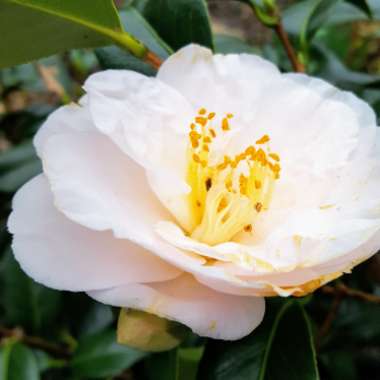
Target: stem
(36, 342)
(330, 317)
(153, 59)
(284, 38)
(349, 292)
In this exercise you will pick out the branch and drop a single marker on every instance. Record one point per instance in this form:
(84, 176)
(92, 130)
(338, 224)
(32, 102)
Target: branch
(284, 38)
(349, 292)
(36, 342)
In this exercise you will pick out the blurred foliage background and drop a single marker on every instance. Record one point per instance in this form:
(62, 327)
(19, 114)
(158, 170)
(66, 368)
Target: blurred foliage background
(333, 334)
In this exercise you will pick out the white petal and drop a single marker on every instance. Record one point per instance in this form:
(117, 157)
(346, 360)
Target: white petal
(95, 184)
(221, 83)
(150, 122)
(64, 255)
(206, 312)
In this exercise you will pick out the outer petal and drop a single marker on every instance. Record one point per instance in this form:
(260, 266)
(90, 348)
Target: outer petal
(150, 122)
(206, 312)
(221, 83)
(64, 255)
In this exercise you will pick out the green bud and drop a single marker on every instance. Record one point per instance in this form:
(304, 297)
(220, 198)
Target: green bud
(148, 332)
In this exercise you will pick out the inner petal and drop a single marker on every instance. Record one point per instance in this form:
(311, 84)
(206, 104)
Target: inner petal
(227, 192)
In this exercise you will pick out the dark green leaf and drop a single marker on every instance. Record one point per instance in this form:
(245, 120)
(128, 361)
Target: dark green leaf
(27, 303)
(230, 44)
(341, 12)
(315, 19)
(282, 344)
(17, 155)
(31, 29)
(178, 22)
(363, 5)
(13, 179)
(177, 364)
(115, 58)
(17, 362)
(100, 356)
(98, 318)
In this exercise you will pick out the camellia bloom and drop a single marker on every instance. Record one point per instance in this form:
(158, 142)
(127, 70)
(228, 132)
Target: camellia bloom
(195, 194)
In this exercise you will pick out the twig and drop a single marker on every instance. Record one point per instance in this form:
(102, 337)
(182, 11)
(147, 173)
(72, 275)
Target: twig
(36, 342)
(153, 59)
(330, 317)
(284, 38)
(349, 292)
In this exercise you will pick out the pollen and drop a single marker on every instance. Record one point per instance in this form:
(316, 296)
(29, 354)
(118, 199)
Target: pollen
(227, 193)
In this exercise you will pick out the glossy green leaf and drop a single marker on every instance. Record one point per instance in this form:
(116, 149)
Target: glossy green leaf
(178, 22)
(17, 155)
(363, 5)
(314, 20)
(27, 303)
(17, 362)
(341, 12)
(178, 364)
(31, 29)
(230, 44)
(13, 179)
(100, 356)
(282, 344)
(113, 57)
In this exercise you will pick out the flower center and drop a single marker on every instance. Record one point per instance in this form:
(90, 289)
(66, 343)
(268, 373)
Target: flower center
(226, 196)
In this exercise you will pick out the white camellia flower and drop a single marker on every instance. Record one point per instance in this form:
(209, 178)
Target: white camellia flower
(195, 194)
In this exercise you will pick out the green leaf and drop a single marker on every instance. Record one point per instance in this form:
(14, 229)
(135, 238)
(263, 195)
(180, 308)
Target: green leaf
(17, 155)
(17, 362)
(31, 29)
(229, 44)
(363, 5)
(100, 356)
(314, 20)
(115, 58)
(282, 344)
(340, 13)
(178, 22)
(27, 303)
(177, 364)
(14, 178)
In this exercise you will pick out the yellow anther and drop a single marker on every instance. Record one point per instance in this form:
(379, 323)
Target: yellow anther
(211, 115)
(192, 126)
(196, 158)
(258, 206)
(222, 204)
(207, 139)
(274, 156)
(225, 124)
(202, 111)
(250, 150)
(261, 157)
(248, 228)
(257, 184)
(205, 148)
(263, 140)
(201, 120)
(243, 181)
(212, 132)
(230, 115)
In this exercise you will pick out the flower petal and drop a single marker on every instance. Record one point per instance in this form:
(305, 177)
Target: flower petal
(205, 311)
(64, 255)
(221, 83)
(149, 121)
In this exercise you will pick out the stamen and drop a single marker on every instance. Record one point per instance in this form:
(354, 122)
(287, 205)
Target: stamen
(226, 197)
(263, 140)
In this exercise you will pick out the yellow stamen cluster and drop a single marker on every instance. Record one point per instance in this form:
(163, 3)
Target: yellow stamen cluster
(226, 197)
